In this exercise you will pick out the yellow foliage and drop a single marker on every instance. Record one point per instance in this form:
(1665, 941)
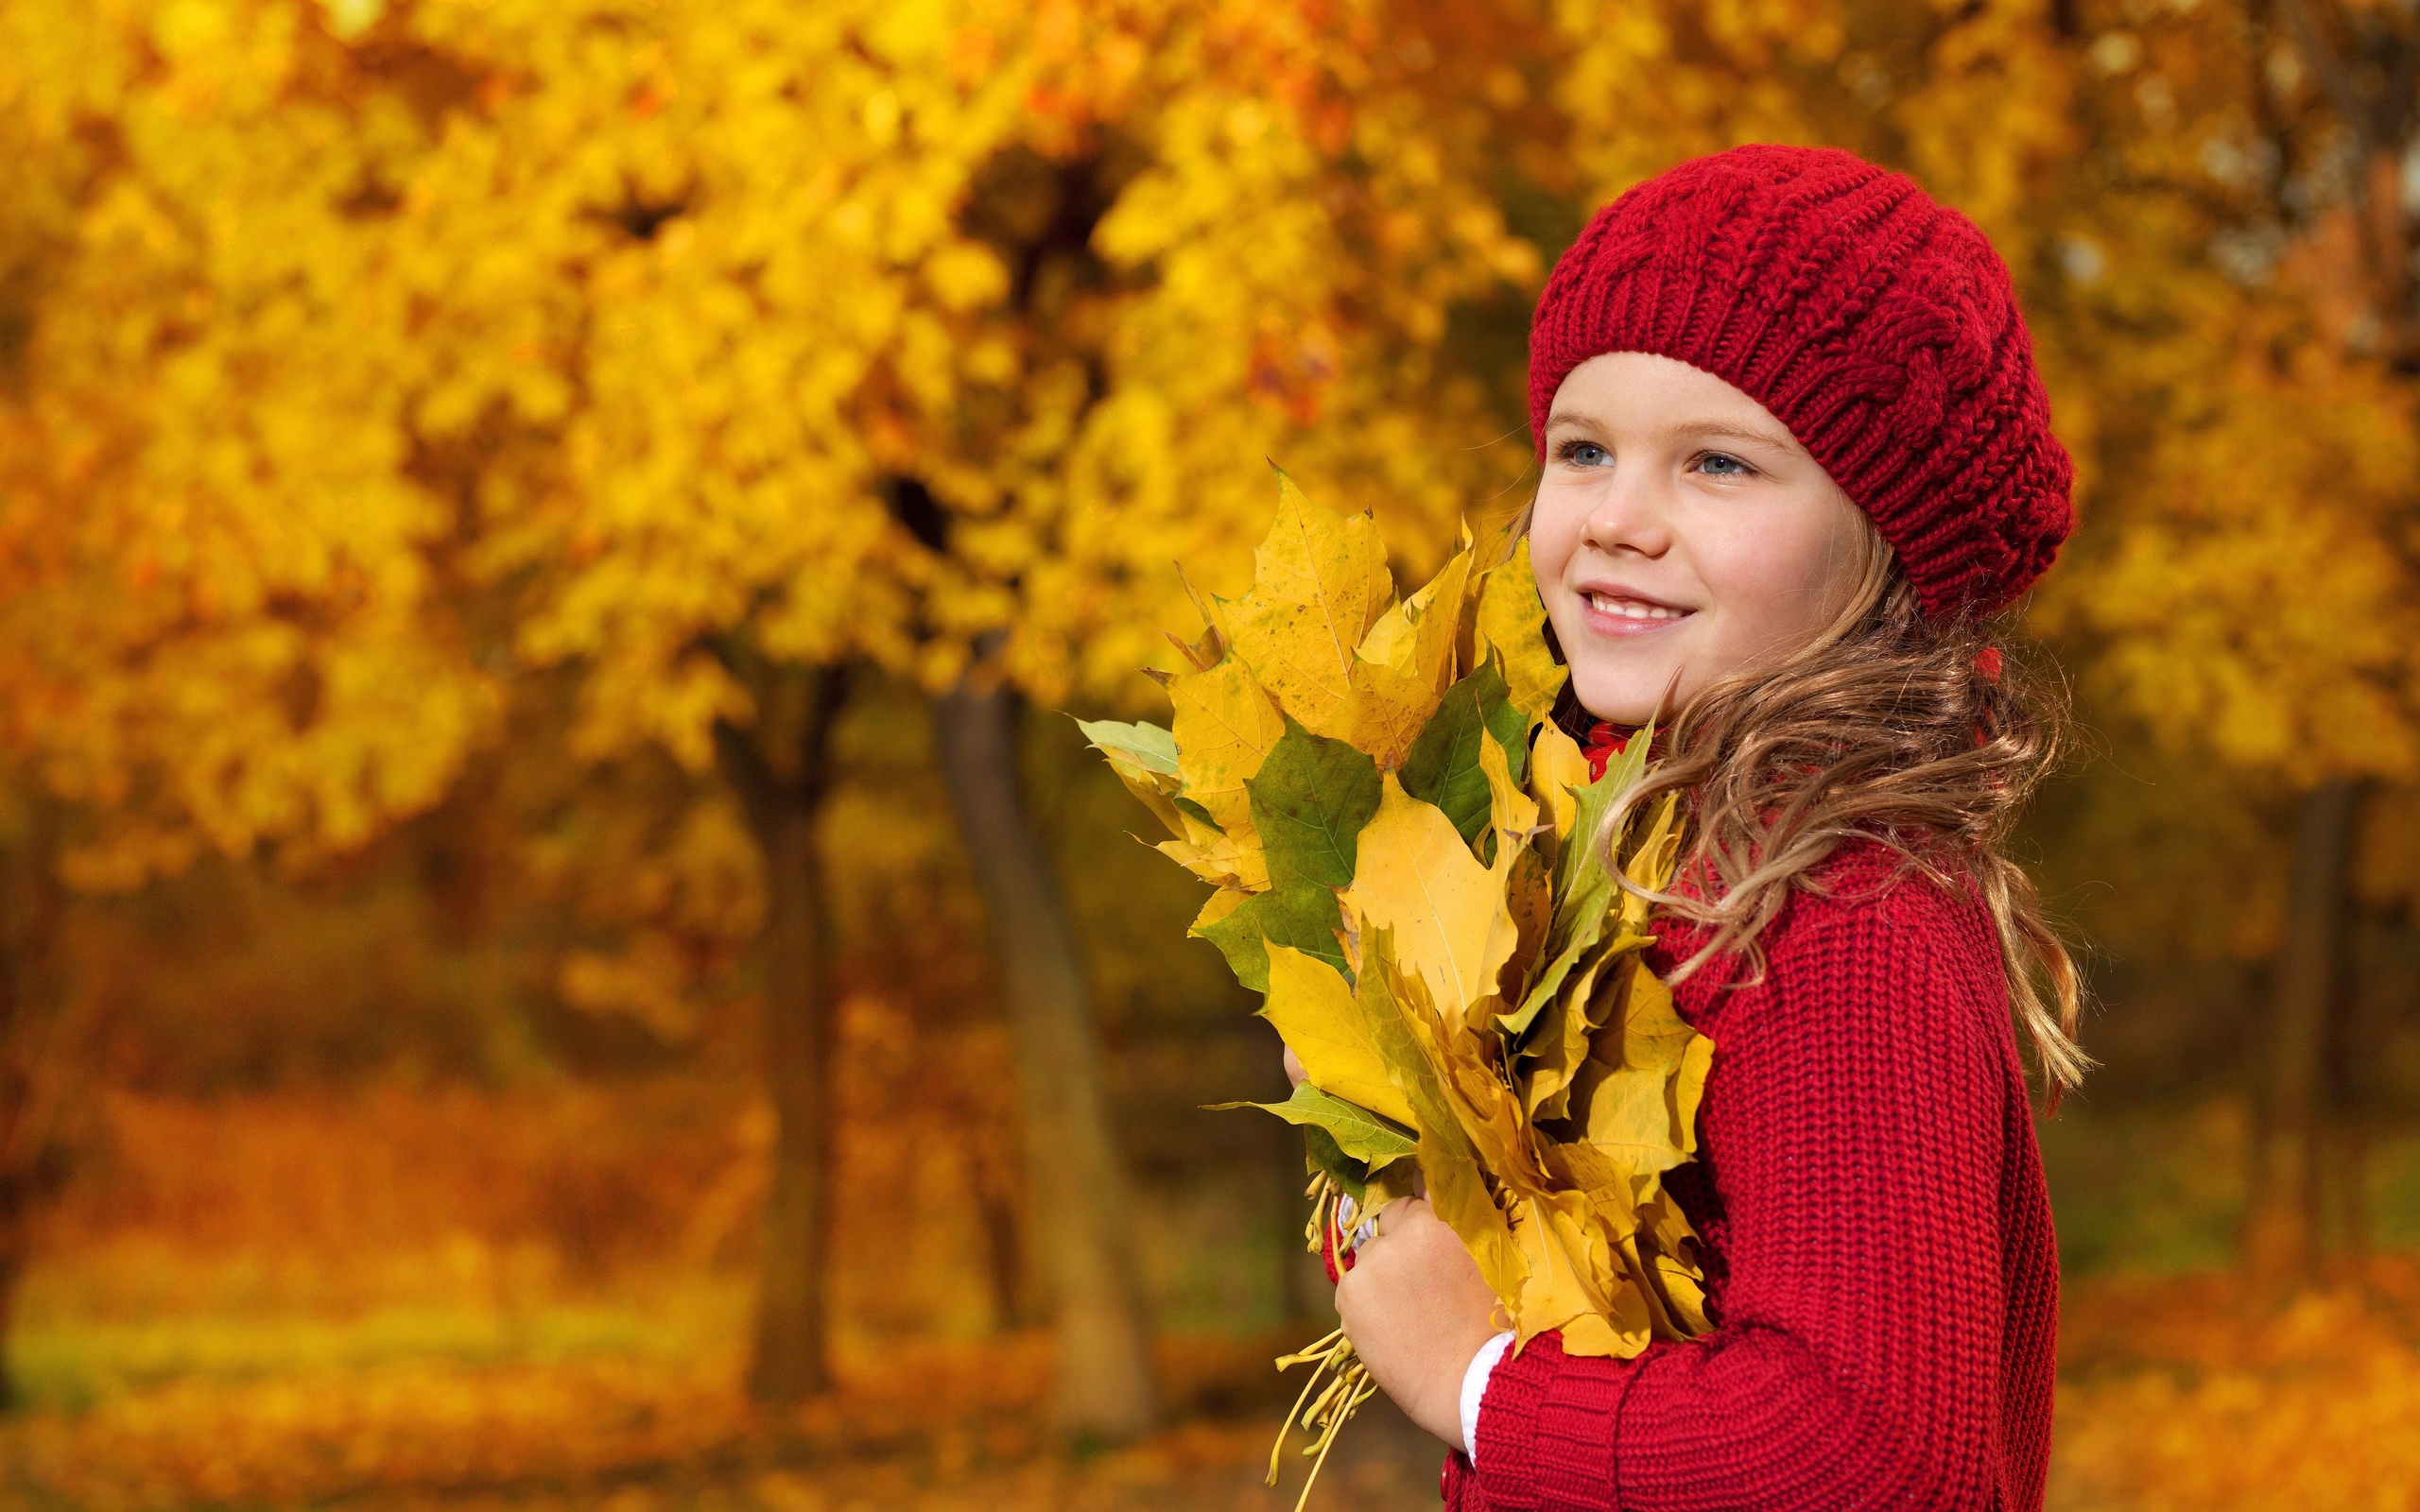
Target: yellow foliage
(376, 345)
(371, 346)
(222, 617)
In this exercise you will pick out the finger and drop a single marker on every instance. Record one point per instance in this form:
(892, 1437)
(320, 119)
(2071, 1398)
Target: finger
(1294, 1071)
(1396, 1211)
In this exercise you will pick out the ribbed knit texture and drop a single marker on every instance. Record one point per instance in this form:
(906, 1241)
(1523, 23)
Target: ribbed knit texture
(1882, 1272)
(1879, 326)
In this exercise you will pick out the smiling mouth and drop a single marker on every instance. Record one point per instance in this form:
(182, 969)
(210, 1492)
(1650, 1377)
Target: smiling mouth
(1632, 611)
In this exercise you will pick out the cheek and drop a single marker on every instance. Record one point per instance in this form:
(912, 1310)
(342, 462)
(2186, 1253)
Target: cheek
(1781, 582)
(1557, 520)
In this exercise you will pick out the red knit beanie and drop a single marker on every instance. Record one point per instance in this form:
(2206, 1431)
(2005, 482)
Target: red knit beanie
(1879, 326)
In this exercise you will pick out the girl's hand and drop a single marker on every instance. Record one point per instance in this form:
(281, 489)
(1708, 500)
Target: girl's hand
(1417, 1310)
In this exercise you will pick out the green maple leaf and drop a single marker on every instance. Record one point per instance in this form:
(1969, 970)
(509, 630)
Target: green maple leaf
(1442, 765)
(1585, 890)
(1357, 1132)
(1309, 801)
(1321, 1153)
(1307, 918)
(1147, 746)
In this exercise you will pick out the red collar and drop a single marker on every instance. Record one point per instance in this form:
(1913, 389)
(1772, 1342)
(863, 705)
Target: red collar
(1605, 742)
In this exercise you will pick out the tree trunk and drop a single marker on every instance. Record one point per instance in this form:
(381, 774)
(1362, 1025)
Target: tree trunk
(996, 1211)
(2281, 1238)
(2345, 1134)
(1082, 1216)
(782, 771)
(34, 1060)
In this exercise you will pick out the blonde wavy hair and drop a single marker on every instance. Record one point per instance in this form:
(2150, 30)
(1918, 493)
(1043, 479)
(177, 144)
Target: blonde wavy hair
(1927, 738)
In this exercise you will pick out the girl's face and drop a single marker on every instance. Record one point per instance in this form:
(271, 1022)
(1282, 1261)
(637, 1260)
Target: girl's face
(1682, 533)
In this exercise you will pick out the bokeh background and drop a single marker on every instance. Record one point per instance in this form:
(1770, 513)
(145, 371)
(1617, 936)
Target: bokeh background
(532, 535)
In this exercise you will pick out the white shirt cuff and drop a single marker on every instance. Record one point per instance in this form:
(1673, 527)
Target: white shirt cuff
(1475, 1386)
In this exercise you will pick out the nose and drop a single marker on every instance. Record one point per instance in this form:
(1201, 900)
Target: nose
(1632, 515)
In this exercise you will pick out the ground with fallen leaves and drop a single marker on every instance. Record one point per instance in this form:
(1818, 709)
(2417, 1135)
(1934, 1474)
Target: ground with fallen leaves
(2174, 1394)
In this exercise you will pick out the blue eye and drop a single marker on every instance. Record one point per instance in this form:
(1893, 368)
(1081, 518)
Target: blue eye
(1586, 453)
(1717, 465)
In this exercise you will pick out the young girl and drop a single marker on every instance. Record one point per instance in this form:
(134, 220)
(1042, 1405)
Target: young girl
(1795, 457)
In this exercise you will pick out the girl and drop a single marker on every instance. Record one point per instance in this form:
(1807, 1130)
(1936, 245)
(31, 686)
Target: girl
(1795, 457)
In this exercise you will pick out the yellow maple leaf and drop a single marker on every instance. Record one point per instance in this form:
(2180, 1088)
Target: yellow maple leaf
(1321, 1019)
(1320, 582)
(1646, 1070)
(1512, 623)
(1415, 876)
(1383, 714)
(1559, 1042)
(1421, 644)
(1224, 726)
(1652, 849)
(1217, 906)
(1557, 764)
(1215, 858)
(1574, 1281)
(1513, 813)
(1402, 669)
(1156, 789)
(1663, 1239)
(1403, 1023)
(1488, 1111)
(1528, 895)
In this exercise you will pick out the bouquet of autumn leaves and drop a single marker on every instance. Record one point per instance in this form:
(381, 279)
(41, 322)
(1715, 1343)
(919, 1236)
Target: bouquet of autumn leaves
(1415, 868)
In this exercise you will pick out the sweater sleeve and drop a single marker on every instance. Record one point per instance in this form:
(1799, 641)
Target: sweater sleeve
(1853, 1120)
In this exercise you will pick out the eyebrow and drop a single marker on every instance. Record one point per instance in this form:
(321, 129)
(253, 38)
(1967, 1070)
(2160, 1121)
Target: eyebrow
(1716, 428)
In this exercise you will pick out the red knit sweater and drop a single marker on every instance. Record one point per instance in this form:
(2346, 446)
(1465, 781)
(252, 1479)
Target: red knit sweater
(1881, 1269)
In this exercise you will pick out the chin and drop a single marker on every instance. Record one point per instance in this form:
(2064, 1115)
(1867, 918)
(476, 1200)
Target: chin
(1624, 700)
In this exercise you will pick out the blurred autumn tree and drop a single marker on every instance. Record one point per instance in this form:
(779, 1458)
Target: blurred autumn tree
(2243, 275)
(220, 626)
(941, 390)
(946, 406)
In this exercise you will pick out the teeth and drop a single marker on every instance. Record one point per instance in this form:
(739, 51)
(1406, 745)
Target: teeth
(1630, 609)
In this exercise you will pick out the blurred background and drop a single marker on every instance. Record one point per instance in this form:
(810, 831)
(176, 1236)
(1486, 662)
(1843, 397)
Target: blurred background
(557, 947)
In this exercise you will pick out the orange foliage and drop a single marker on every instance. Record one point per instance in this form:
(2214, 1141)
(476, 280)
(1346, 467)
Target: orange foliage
(333, 1205)
(430, 1427)
(936, 1428)
(2196, 1394)
(439, 1427)
(597, 1177)
(2171, 1399)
